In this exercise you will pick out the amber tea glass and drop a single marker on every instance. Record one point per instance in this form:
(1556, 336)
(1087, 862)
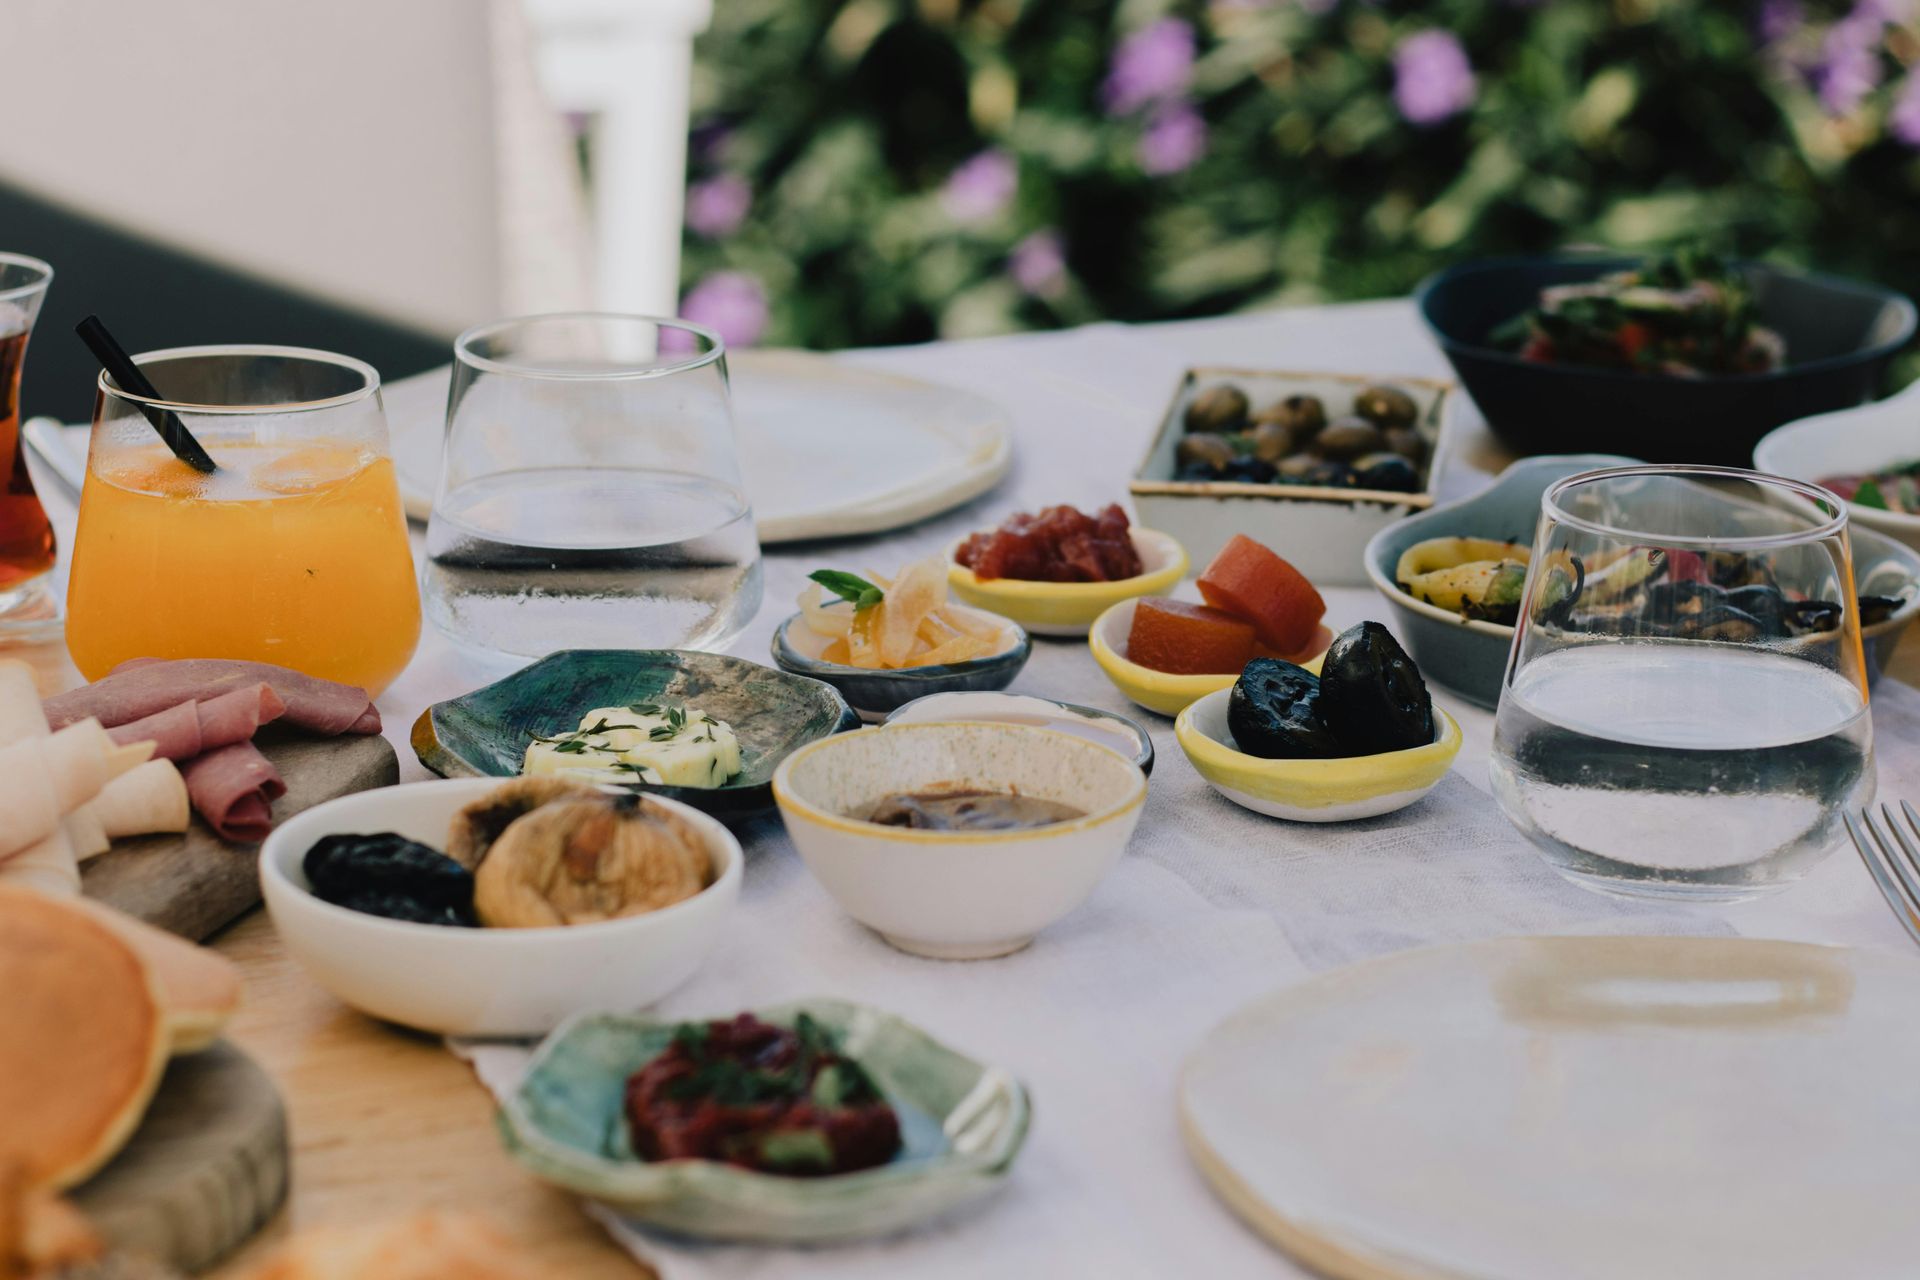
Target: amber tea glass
(28, 607)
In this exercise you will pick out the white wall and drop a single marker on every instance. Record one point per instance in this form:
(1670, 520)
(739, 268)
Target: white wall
(342, 146)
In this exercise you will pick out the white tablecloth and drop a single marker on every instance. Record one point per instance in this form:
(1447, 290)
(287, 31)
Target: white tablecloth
(1212, 907)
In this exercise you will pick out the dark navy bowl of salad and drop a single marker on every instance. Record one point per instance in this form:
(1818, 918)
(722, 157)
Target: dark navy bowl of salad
(1682, 359)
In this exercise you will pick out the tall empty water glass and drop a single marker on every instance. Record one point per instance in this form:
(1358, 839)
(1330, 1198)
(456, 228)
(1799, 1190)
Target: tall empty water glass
(1685, 707)
(590, 495)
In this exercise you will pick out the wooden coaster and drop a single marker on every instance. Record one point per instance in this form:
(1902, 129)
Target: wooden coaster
(207, 1167)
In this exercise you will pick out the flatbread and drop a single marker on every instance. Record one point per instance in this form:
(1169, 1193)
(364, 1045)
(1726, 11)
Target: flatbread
(85, 1042)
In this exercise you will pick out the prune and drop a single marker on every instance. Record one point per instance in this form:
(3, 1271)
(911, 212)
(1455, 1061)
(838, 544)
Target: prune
(385, 874)
(1372, 695)
(1274, 712)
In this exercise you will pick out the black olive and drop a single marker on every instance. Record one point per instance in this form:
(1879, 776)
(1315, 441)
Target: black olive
(1719, 622)
(1249, 470)
(1386, 406)
(1347, 438)
(1195, 471)
(1372, 695)
(1218, 409)
(1274, 713)
(1303, 416)
(1329, 475)
(1878, 609)
(389, 869)
(1387, 471)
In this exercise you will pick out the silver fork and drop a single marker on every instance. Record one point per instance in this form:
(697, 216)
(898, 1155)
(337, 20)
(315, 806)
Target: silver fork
(1892, 859)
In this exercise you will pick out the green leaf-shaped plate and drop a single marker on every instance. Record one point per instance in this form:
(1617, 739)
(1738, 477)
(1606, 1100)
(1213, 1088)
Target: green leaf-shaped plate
(485, 733)
(961, 1125)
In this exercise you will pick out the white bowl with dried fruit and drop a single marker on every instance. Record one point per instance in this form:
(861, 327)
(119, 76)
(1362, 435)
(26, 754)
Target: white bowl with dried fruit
(482, 907)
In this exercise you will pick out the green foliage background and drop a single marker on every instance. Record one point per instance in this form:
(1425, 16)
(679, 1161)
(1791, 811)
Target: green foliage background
(1629, 123)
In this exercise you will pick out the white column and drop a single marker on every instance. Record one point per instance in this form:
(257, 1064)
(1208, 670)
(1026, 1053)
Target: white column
(629, 63)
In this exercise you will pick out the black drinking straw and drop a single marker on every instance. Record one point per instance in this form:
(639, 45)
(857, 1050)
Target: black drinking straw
(114, 359)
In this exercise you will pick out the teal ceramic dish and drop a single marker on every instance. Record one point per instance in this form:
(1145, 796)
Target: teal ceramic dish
(961, 1122)
(485, 733)
(1470, 657)
(875, 694)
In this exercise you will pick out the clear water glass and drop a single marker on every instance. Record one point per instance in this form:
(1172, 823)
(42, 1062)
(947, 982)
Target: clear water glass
(1684, 714)
(590, 494)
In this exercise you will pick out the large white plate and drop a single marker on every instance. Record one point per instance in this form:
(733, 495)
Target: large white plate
(829, 450)
(1576, 1108)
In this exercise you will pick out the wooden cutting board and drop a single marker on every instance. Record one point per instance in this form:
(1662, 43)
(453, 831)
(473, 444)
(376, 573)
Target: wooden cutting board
(206, 1168)
(194, 883)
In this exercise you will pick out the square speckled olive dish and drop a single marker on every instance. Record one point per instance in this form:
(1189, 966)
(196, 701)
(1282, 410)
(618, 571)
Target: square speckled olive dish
(773, 713)
(962, 1123)
(1320, 528)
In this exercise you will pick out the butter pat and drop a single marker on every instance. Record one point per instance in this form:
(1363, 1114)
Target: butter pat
(659, 743)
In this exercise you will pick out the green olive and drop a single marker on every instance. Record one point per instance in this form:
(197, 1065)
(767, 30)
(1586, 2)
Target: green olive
(1386, 406)
(1406, 442)
(1271, 441)
(1297, 466)
(1203, 447)
(1302, 415)
(1347, 438)
(1218, 409)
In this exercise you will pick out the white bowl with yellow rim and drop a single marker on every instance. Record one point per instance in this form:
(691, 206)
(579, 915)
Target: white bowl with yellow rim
(957, 895)
(1312, 790)
(1069, 608)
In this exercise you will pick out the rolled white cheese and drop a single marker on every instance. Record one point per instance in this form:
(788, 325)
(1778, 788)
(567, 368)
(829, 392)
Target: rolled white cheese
(144, 801)
(43, 778)
(47, 864)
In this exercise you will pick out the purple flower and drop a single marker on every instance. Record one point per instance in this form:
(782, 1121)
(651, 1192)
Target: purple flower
(1432, 78)
(1849, 66)
(1904, 120)
(731, 303)
(1779, 19)
(1038, 264)
(1152, 64)
(717, 206)
(981, 187)
(1174, 138)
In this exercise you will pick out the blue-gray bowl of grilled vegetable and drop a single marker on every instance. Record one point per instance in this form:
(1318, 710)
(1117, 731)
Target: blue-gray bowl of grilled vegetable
(1686, 358)
(1452, 576)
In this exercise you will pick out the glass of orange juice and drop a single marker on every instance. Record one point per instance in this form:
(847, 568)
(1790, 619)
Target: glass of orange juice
(294, 551)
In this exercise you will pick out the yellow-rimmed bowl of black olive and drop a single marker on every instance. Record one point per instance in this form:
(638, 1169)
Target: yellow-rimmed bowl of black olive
(1359, 739)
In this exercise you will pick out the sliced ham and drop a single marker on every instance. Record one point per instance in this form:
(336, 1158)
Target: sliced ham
(174, 733)
(147, 686)
(234, 789)
(183, 732)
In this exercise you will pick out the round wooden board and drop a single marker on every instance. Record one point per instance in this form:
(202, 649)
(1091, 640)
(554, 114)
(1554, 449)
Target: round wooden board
(207, 1167)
